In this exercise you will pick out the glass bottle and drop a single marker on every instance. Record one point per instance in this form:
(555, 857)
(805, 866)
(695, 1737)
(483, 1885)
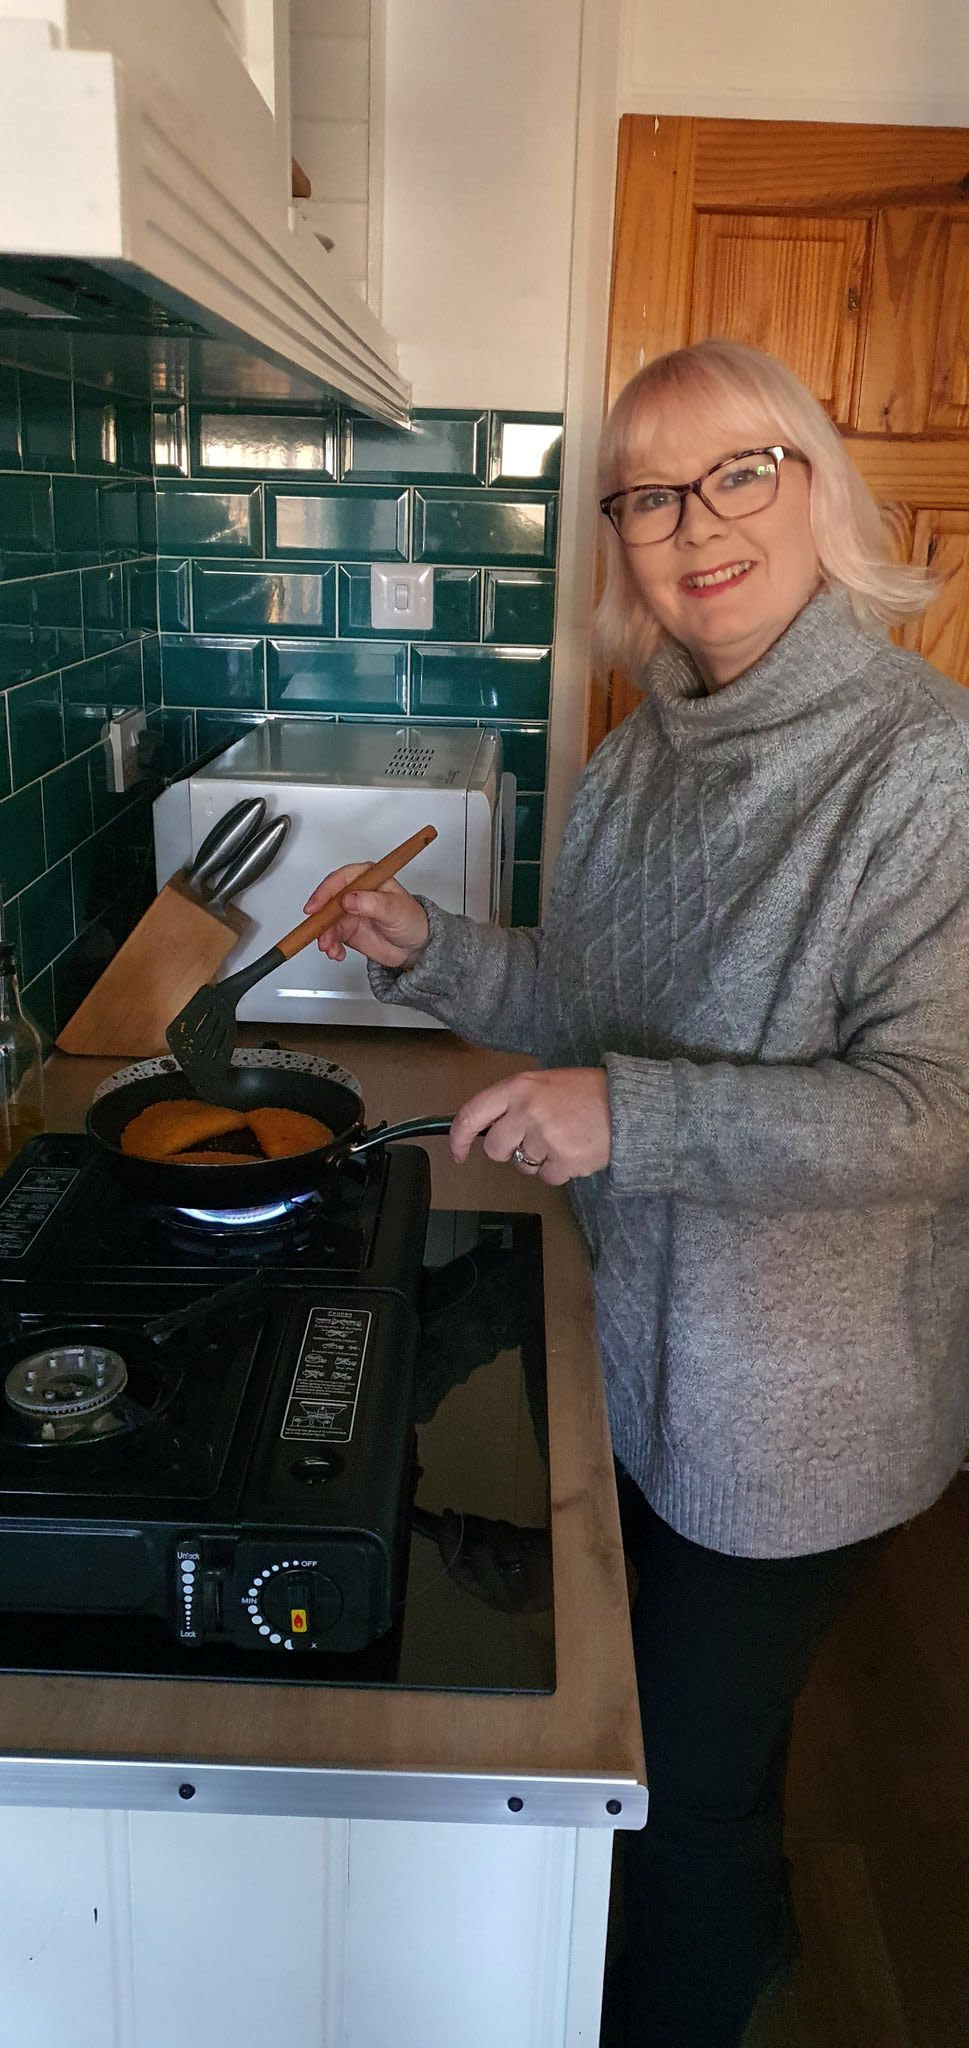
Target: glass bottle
(21, 1065)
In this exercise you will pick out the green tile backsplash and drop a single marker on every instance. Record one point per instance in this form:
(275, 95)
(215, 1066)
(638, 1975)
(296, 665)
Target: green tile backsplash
(78, 637)
(213, 565)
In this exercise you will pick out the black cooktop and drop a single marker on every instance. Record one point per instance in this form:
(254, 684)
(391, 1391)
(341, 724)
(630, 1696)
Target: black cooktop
(218, 1428)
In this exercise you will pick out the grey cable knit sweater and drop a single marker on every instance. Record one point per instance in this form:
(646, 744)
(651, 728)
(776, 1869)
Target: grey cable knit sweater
(760, 926)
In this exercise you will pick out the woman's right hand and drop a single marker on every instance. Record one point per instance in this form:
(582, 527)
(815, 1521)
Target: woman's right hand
(387, 924)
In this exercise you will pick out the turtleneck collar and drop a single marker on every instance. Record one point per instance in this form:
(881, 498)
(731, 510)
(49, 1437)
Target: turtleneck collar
(821, 648)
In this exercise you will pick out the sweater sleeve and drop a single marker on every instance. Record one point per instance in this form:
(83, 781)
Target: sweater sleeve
(887, 1118)
(479, 979)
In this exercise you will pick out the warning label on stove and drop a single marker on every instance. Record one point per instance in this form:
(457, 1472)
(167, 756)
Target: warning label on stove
(322, 1403)
(28, 1206)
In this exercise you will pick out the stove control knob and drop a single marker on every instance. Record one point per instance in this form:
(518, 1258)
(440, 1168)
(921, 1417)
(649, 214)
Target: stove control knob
(302, 1605)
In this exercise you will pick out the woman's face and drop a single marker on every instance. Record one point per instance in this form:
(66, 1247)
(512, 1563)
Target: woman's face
(766, 565)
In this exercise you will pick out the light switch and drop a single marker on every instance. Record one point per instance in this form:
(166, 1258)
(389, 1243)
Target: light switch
(401, 599)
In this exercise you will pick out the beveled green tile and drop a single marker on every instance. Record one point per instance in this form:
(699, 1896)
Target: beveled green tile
(227, 673)
(526, 448)
(279, 600)
(135, 435)
(176, 733)
(6, 780)
(526, 889)
(274, 444)
(529, 812)
(333, 520)
(26, 526)
(523, 754)
(170, 455)
(457, 604)
(216, 730)
(485, 526)
(147, 517)
(66, 797)
(40, 626)
(336, 676)
(439, 445)
(151, 669)
(21, 840)
(36, 728)
(141, 595)
(519, 606)
(77, 521)
(96, 427)
(174, 596)
(38, 1001)
(200, 518)
(46, 920)
(47, 422)
(102, 599)
(479, 682)
(113, 883)
(119, 521)
(9, 418)
(92, 691)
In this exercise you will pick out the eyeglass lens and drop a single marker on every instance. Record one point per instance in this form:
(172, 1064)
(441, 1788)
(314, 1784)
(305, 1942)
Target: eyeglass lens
(744, 485)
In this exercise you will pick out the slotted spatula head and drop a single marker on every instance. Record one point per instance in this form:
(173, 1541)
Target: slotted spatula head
(203, 1034)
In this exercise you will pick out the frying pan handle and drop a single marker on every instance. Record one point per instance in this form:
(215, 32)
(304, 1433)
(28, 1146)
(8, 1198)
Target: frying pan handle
(382, 870)
(382, 1134)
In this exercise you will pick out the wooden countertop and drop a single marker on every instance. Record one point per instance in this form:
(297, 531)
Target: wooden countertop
(590, 1724)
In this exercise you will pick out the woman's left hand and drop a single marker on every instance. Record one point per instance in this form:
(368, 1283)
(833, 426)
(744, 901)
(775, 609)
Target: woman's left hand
(554, 1123)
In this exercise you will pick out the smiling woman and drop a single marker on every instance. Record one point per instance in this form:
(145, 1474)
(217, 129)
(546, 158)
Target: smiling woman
(821, 524)
(749, 1008)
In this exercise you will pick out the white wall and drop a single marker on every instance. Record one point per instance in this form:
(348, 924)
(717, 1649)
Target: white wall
(831, 60)
(479, 163)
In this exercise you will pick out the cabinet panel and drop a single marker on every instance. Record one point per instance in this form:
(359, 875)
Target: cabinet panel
(792, 284)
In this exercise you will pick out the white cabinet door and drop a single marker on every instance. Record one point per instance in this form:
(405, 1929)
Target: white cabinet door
(146, 1930)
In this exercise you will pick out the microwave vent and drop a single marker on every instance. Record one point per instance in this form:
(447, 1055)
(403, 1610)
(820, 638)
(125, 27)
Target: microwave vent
(414, 762)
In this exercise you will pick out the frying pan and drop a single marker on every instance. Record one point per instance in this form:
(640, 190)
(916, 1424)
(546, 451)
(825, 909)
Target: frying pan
(267, 1080)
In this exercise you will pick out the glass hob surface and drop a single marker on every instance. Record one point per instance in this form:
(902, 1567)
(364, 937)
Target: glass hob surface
(476, 1612)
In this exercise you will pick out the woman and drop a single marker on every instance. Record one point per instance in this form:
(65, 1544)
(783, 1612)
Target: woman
(750, 1005)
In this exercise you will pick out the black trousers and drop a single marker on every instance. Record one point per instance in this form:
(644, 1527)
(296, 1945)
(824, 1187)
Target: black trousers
(723, 1647)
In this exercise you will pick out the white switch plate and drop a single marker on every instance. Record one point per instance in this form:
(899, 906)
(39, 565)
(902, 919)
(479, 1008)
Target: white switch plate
(401, 597)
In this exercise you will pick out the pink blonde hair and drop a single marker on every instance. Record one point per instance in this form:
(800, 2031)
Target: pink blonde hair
(712, 377)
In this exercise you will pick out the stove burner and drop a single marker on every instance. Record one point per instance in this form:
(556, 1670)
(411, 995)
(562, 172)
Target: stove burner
(246, 1219)
(66, 1381)
(66, 1384)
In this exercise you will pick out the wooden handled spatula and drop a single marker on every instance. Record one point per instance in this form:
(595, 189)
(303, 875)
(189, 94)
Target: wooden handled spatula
(201, 1036)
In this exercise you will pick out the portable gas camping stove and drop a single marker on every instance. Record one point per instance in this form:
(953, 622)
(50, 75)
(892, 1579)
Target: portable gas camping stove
(207, 1433)
(207, 1416)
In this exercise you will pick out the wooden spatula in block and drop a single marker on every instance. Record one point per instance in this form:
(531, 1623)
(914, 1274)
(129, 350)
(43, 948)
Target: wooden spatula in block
(178, 939)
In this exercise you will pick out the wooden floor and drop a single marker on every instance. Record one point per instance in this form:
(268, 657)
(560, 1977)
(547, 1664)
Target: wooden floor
(878, 1810)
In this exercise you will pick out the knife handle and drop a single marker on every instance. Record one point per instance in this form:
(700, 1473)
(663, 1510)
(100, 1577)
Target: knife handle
(257, 855)
(382, 870)
(226, 838)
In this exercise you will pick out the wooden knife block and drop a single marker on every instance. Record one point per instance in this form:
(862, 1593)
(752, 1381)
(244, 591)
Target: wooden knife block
(178, 944)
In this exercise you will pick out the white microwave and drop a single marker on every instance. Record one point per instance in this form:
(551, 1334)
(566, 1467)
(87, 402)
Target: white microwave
(352, 792)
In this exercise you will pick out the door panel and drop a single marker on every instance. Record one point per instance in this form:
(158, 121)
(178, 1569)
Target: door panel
(789, 283)
(844, 250)
(941, 540)
(950, 390)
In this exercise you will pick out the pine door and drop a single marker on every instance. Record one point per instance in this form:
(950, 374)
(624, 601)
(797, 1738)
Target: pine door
(845, 251)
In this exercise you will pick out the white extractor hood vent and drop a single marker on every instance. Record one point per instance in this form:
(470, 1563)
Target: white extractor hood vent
(144, 187)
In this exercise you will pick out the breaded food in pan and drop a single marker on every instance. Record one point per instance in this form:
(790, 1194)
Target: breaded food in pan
(213, 1158)
(283, 1133)
(167, 1127)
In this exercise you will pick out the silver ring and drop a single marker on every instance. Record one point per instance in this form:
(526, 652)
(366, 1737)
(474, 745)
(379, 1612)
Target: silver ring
(521, 1159)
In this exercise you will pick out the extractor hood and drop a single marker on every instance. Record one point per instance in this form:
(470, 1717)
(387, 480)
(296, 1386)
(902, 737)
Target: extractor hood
(144, 193)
